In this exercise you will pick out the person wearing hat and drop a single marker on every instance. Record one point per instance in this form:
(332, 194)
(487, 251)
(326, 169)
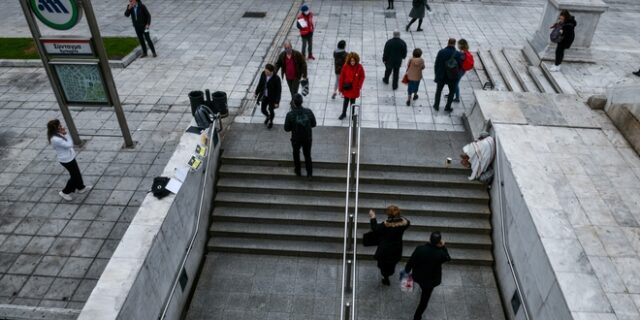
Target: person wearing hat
(304, 22)
(299, 121)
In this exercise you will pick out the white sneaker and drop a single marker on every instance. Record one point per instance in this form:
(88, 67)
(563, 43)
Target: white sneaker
(65, 196)
(86, 188)
(430, 12)
(554, 68)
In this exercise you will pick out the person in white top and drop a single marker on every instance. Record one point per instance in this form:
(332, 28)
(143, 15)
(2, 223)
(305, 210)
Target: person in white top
(63, 145)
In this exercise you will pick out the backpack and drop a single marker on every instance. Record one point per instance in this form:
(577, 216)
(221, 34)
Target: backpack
(556, 35)
(302, 125)
(158, 188)
(467, 64)
(204, 116)
(452, 67)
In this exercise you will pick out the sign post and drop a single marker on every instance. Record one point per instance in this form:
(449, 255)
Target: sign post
(78, 68)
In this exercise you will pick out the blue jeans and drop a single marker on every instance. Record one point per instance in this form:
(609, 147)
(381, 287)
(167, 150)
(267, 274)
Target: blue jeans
(457, 94)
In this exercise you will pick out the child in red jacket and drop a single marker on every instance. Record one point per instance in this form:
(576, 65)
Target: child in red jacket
(304, 22)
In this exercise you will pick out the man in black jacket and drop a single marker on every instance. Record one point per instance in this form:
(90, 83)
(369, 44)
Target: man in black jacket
(395, 50)
(299, 122)
(141, 19)
(426, 262)
(447, 69)
(293, 66)
(268, 92)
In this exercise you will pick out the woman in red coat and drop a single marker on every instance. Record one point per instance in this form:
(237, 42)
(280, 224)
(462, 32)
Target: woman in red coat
(351, 80)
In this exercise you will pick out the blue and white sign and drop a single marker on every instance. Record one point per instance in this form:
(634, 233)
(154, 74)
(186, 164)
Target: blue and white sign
(57, 14)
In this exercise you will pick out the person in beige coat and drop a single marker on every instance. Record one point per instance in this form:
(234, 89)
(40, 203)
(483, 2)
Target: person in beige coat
(414, 74)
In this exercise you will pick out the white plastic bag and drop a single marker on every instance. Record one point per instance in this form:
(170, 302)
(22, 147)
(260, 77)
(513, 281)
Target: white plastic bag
(406, 282)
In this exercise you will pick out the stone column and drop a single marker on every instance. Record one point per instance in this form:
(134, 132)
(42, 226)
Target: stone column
(587, 13)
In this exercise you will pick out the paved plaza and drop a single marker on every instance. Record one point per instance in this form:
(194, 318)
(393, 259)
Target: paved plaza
(52, 252)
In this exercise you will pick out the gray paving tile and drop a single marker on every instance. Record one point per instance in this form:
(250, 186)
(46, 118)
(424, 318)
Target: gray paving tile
(39, 245)
(75, 228)
(62, 289)
(75, 267)
(36, 287)
(50, 266)
(25, 264)
(10, 284)
(52, 227)
(6, 260)
(15, 243)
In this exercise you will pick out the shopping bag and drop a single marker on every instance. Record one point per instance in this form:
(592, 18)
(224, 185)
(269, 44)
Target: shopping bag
(406, 282)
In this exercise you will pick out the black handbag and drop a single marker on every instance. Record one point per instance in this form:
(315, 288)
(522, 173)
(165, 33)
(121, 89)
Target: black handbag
(158, 188)
(347, 86)
(370, 239)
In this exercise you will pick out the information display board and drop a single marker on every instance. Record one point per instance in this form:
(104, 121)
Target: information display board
(81, 83)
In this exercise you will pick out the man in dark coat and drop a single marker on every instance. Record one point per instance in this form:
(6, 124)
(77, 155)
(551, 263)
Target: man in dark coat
(141, 19)
(268, 92)
(293, 67)
(426, 262)
(395, 50)
(447, 69)
(299, 122)
(417, 13)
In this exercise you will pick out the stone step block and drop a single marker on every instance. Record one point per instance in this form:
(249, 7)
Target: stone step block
(492, 71)
(508, 75)
(519, 65)
(541, 80)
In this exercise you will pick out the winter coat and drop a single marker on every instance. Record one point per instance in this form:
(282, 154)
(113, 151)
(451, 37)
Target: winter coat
(568, 33)
(339, 57)
(355, 76)
(414, 69)
(298, 59)
(290, 124)
(426, 263)
(389, 234)
(418, 10)
(274, 88)
(441, 64)
(309, 19)
(394, 51)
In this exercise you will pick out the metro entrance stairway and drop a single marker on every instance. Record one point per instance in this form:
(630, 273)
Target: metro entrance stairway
(262, 207)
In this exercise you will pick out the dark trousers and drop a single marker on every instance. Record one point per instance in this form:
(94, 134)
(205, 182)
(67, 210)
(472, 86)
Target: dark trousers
(294, 85)
(345, 104)
(387, 268)
(267, 107)
(559, 54)
(390, 4)
(389, 68)
(425, 295)
(307, 40)
(452, 90)
(306, 151)
(141, 37)
(414, 20)
(75, 182)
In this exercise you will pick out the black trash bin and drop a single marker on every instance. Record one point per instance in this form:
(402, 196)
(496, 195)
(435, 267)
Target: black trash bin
(196, 98)
(219, 99)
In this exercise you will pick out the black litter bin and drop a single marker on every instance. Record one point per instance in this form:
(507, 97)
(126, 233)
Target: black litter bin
(196, 98)
(219, 100)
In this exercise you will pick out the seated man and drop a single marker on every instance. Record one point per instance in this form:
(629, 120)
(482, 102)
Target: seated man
(478, 155)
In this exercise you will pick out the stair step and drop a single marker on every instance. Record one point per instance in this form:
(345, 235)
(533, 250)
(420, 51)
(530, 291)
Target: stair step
(337, 189)
(329, 249)
(336, 218)
(505, 70)
(455, 180)
(409, 207)
(492, 71)
(519, 65)
(479, 68)
(558, 80)
(541, 80)
(267, 232)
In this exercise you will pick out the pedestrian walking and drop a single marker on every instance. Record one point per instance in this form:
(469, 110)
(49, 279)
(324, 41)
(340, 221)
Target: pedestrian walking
(447, 69)
(299, 122)
(306, 27)
(389, 234)
(351, 80)
(467, 64)
(339, 58)
(268, 93)
(63, 145)
(293, 67)
(417, 13)
(637, 73)
(141, 19)
(566, 25)
(390, 6)
(426, 263)
(414, 75)
(395, 50)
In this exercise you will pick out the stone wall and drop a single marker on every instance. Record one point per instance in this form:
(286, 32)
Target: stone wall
(139, 277)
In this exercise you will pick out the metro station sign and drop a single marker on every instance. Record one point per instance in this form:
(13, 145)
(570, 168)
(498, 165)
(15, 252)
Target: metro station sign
(68, 46)
(57, 14)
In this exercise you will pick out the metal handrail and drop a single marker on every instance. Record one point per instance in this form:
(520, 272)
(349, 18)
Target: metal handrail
(349, 253)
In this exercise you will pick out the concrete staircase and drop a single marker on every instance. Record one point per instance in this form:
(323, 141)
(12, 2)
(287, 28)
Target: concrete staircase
(515, 69)
(261, 207)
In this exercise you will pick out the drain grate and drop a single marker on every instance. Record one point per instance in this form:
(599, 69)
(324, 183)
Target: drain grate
(254, 14)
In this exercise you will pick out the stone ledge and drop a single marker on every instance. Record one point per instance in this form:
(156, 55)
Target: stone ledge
(623, 108)
(25, 312)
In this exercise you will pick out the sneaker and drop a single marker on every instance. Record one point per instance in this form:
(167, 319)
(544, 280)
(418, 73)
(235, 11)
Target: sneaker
(386, 281)
(430, 12)
(554, 68)
(437, 108)
(456, 100)
(448, 109)
(85, 189)
(65, 196)
(155, 55)
(385, 81)
(419, 29)
(270, 125)
(408, 103)
(415, 97)
(333, 96)
(310, 57)
(637, 73)
(266, 121)
(297, 172)
(144, 55)
(406, 28)
(342, 116)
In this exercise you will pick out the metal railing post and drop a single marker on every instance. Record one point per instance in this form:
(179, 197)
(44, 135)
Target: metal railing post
(347, 311)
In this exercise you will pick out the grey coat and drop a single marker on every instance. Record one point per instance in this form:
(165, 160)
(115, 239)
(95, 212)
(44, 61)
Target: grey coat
(419, 9)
